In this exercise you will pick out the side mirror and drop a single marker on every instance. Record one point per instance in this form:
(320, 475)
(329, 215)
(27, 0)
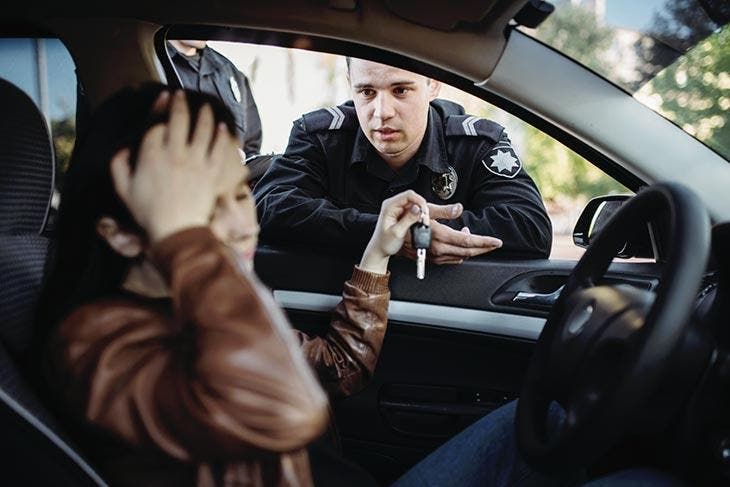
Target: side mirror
(594, 217)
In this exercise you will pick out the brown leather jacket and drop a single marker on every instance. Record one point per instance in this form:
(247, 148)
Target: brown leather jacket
(210, 387)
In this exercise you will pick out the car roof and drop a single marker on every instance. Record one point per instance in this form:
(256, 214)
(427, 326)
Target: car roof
(472, 37)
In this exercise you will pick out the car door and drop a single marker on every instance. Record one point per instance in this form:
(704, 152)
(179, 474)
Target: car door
(457, 346)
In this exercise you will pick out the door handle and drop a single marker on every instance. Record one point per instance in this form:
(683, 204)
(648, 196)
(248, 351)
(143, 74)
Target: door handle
(477, 410)
(537, 299)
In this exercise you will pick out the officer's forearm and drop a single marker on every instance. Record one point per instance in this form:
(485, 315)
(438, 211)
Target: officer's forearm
(523, 232)
(316, 222)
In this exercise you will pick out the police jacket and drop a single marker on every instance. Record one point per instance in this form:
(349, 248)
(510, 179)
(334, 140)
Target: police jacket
(327, 188)
(217, 76)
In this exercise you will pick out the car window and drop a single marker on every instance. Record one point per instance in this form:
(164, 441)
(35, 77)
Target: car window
(671, 55)
(44, 69)
(287, 83)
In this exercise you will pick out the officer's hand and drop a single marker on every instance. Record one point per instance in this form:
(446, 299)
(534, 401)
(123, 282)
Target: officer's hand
(449, 246)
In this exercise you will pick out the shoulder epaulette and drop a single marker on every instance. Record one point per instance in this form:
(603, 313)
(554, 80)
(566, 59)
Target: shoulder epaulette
(471, 126)
(447, 108)
(342, 117)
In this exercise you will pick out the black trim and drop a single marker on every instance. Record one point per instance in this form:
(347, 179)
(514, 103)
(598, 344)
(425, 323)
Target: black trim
(291, 268)
(347, 48)
(534, 13)
(52, 150)
(24, 28)
(173, 80)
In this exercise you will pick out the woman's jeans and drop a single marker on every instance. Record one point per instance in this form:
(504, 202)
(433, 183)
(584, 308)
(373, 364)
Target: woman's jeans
(486, 454)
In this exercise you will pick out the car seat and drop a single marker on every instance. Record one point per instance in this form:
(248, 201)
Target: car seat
(34, 450)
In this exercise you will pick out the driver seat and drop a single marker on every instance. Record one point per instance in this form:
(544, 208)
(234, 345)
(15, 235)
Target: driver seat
(33, 446)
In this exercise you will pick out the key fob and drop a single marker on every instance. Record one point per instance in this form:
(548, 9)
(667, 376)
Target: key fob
(420, 235)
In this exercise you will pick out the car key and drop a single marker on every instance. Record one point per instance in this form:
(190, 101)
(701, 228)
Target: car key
(421, 240)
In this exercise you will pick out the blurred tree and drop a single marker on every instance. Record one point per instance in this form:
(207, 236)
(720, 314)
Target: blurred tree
(64, 136)
(329, 64)
(253, 70)
(673, 31)
(559, 172)
(693, 90)
(574, 31)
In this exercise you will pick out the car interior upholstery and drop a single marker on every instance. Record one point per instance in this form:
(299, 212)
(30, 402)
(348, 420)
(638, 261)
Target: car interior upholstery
(26, 188)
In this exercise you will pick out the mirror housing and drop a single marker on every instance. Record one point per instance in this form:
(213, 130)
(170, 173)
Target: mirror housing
(594, 217)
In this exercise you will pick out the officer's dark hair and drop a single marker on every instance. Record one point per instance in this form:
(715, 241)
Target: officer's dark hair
(349, 58)
(86, 268)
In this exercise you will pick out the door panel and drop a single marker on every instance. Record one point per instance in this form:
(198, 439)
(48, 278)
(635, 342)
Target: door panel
(457, 346)
(449, 317)
(430, 383)
(475, 284)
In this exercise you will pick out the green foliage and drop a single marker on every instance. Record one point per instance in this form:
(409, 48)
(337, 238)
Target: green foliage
(560, 172)
(575, 32)
(64, 136)
(694, 92)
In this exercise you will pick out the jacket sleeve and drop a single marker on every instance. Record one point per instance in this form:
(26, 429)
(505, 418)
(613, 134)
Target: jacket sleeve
(253, 135)
(292, 201)
(223, 379)
(509, 208)
(345, 357)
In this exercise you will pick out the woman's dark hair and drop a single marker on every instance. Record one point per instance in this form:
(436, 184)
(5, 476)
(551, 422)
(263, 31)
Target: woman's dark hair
(85, 267)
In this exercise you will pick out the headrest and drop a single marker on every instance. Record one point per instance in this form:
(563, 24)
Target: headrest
(26, 164)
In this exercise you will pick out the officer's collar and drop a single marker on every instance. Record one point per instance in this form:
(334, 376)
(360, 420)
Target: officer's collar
(208, 63)
(173, 52)
(431, 153)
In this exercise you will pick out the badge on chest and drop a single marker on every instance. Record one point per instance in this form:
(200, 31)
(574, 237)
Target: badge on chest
(444, 185)
(235, 89)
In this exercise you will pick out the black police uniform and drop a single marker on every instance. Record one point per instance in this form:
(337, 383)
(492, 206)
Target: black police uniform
(216, 75)
(328, 186)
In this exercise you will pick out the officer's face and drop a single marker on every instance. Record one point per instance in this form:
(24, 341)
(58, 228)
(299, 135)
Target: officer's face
(193, 43)
(234, 218)
(392, 107)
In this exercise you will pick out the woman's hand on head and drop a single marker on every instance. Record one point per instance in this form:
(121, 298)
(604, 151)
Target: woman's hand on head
(174, 184)
(397, 214)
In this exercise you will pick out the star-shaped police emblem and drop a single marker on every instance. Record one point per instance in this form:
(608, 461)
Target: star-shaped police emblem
(444, 185)
(504, 162)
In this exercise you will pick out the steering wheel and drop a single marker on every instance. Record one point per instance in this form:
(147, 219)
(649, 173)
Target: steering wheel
(604, 348)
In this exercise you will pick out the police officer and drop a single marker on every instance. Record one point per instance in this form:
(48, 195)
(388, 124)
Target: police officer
(342, 162)
(203, 69)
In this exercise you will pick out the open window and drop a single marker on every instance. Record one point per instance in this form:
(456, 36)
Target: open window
(296, 76)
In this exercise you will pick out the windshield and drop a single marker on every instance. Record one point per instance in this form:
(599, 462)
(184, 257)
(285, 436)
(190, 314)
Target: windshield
(671, 55)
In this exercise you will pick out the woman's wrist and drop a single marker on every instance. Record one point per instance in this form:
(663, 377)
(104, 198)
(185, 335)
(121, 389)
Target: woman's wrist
(374, 261)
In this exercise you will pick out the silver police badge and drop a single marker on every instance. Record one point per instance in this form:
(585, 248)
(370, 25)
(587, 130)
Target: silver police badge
(234, 88)
(444, 185)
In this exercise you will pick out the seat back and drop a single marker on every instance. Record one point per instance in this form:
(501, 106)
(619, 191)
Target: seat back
(33, 447)
(26, 185)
